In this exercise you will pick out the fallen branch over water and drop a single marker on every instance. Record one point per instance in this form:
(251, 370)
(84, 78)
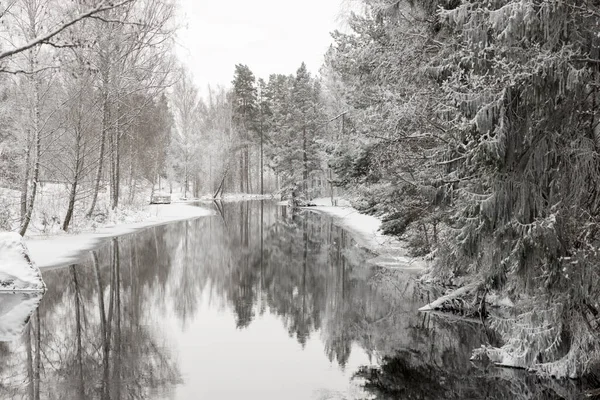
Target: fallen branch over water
(453, 301)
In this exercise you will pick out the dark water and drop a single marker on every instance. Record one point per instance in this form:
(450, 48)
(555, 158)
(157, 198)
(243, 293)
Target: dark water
(249, 304)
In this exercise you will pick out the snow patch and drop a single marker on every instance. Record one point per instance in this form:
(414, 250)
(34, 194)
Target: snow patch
(326, 201)
(245, 196)
(61, 250)
(366, 231)
(499, 357)
(17, 271)
(404, 263)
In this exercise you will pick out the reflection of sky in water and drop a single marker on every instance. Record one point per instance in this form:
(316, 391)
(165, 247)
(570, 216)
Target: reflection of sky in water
(259, 362)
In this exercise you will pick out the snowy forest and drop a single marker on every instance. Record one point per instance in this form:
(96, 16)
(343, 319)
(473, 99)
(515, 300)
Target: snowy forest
(470, 128)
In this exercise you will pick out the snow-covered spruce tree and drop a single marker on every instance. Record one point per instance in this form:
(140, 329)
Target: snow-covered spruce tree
(392, 148)
(523, 78)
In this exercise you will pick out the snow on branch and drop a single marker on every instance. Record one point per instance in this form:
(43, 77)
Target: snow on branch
(103, 6)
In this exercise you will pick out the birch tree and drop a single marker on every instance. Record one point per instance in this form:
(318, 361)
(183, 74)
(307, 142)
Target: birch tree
(186, 106)
(133, 56)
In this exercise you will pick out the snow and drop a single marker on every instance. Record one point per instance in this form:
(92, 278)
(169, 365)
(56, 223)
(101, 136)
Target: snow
(17, 272)
(15, 311)
(438, 303)
(60, 250)
(499, 356)
(246, 196)
(326, 201)
(366, 231)
(496, 300)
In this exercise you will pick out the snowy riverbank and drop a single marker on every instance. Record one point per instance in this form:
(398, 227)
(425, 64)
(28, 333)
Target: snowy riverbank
(57, 250)
(391, 252)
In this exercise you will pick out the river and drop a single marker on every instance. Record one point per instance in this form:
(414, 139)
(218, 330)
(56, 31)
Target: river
(252, 303)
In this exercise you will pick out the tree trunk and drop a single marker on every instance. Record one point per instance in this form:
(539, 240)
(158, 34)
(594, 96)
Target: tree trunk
(185, 177)
(262, 167)
(131, 179)
(305, 165)
(105, 122)
(249, 185)
(242, 173)
(331, 187)
(220, 188)
(25, 186)
(210, 178)
(116, 161)
(37, 138)
(71, 205)
(73, 192)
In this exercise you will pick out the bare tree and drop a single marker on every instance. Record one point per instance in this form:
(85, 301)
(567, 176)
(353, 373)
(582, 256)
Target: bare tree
(186, 106)
(133, 57)
(44, 37)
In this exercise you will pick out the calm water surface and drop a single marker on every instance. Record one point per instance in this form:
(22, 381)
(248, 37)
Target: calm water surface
(250, 304)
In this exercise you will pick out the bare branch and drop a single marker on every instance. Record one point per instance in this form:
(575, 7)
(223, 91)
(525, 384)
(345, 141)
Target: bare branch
(104, 6)
(25, 72)
(117, 21)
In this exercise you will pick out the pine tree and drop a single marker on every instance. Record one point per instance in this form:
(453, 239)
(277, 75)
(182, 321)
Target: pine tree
(295, 114)
(245, 118)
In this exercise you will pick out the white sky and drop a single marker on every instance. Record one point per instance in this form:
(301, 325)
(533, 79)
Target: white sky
(270, 36)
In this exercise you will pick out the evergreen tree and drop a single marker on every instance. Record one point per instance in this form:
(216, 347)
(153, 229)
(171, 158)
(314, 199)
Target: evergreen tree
(277, 114)
(245, 118)
(390, 134)
(520, 75)
(296, 118)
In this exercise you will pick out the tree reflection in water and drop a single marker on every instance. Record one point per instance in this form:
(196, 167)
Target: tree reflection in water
(100, 330)
(90, 338)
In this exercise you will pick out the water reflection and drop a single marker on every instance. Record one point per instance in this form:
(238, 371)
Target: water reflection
(254, 303)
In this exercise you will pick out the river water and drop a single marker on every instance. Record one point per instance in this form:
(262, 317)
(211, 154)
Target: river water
(253, 303)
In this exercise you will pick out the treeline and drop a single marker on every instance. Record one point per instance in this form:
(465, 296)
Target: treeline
(82, 101)
(474, 131)
(256, 137)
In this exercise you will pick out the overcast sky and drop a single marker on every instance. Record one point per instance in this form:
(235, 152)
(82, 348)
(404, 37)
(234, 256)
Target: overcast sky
(270, 36)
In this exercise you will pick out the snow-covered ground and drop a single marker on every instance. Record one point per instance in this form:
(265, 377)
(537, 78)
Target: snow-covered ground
(391, 252)
(17, 272)
(49, 246)
(56, 250)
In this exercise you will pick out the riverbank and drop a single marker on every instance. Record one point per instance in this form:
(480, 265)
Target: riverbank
(55, 250)
(391, 252)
